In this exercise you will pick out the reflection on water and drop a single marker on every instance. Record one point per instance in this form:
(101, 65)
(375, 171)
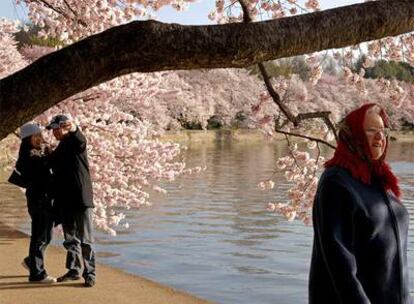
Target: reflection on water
(212, 236)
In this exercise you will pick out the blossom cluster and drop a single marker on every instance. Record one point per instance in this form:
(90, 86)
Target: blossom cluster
(227, 11)
(301, 172)
(10, 58)
(126, 158)
(72, 20)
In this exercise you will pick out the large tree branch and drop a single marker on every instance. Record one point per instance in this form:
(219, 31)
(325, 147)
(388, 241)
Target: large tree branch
(147, 46)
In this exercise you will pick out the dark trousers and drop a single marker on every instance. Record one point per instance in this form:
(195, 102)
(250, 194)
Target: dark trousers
(77, 231)
(42, 227)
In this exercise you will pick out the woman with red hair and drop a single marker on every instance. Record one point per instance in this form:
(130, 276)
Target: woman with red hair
(360, 225)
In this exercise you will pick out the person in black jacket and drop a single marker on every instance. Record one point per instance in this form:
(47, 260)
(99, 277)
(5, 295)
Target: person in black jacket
(360, 224)
(33, 173)
(73, 198)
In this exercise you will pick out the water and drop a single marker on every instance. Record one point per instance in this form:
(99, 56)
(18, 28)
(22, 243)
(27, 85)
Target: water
(211, 235)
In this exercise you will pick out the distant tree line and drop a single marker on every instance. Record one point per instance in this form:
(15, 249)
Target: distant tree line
(401, 71)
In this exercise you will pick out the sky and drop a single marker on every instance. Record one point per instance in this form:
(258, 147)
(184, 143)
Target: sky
(196, 14)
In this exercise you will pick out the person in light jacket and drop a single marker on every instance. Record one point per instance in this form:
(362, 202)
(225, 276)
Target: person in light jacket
(360, 223)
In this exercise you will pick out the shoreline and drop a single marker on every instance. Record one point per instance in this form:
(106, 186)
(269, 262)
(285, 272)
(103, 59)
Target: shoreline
(244, 136)
(113, 285)
(210, 136)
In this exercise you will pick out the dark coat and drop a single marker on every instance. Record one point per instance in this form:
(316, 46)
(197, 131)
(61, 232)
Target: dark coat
(72, 182)
(360, 243)
(35, 171)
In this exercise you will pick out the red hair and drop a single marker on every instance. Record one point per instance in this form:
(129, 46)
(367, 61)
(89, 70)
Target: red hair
(354, 154)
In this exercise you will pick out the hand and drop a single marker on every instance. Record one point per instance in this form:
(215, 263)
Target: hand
(47, 150)
(68, 126)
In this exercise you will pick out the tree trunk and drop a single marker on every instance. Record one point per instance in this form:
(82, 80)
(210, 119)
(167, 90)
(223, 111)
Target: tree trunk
(147, 46)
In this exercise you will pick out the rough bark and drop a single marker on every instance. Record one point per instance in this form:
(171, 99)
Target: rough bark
(147, 46)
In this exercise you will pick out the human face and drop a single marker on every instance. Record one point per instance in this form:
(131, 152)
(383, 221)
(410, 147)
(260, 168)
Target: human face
(62, 130)
(58, 134)
(36, 140)
(376, 134)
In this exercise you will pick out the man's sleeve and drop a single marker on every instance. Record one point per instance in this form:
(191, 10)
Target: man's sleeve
(78, 140)
(334, 218)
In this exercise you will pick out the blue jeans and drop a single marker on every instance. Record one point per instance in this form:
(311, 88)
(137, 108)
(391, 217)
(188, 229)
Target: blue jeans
(77, 231)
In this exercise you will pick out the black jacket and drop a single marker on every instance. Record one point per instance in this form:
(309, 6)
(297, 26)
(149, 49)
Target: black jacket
(72, 182)
(360, 243)
(36, 174)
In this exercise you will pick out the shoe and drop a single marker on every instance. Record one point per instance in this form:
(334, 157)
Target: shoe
(89, 282)
(46, 280)
(68, 277)
(25, 263)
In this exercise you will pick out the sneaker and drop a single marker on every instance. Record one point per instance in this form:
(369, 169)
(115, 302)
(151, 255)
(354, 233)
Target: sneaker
(68, 277)
(46, 280)
(25, 263)
(89, 282)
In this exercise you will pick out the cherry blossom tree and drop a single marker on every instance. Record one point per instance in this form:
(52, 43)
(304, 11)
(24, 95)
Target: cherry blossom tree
(122, 119)
(10, 58)
(153, 46)
(126, 160)
(96, 34)
(300, 168)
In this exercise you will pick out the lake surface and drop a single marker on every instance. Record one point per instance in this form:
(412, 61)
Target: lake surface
(212, 236)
